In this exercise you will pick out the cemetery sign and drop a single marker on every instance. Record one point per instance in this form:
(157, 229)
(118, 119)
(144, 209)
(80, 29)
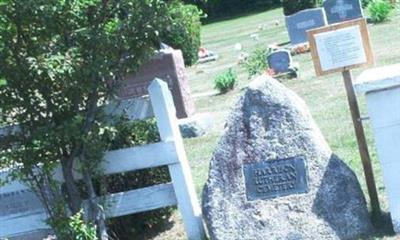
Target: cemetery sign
(275, 178)
(340, 47)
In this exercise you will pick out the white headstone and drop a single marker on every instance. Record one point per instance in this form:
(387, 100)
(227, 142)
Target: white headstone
(382, 89)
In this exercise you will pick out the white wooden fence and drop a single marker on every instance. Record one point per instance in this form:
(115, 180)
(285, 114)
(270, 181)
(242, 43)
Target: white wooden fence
(21, 211)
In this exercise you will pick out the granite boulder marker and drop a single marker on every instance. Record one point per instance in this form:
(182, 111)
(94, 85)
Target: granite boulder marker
(273, 176)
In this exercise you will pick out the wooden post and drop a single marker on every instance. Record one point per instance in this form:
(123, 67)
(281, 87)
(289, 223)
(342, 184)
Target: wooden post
(164, 110)
(362, 143)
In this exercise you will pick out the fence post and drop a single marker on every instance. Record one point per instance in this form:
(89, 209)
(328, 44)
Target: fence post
(165, 112)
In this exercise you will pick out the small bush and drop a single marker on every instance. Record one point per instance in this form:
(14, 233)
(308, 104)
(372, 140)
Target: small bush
(184, 30)
(379, 10)
(256, 63)
(225, 81)
(365, 3)
(74, 228)
(293, 6)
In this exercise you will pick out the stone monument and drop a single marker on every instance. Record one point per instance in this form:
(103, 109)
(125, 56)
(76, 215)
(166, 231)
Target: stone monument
(280, 61)
(168, 66)
(342, 10)
(299, 23)
(273, 176)
(381, 86)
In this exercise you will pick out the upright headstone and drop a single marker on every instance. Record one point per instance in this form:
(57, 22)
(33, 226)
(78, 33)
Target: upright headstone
(169, 66)
(382, 88)
(280, 61)
(273, 176)
(299, 23)
(24, 208)
(342, 10)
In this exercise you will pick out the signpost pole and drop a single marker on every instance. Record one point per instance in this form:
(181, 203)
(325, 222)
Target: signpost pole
(362, 143)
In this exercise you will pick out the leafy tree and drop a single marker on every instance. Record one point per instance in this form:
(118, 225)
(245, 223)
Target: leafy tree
(293, 6)
(59, 61)
(227, 8)
(184, 31)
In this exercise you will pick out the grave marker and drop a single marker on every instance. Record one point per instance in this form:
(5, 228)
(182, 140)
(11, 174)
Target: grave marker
(382, 89)
(339, 48)
(273, 176)
(299, 23)
(280, 61)
(169, 66)
(19, 202)
(342, 10)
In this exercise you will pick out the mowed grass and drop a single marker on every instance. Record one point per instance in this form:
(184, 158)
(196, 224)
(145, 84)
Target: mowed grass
(325, 96)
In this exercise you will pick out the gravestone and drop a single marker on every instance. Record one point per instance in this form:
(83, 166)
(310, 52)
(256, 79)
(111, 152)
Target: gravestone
(382, 89)
(299, 23)
(169, 66)
(17, 202)
(342, 10)
(134, 109)
(280, 61)
(273, 176)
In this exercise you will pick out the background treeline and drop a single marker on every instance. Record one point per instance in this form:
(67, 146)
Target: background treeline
(216, 9)
(225, 8)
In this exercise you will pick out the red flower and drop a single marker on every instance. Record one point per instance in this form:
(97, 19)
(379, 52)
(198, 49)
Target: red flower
(270, 72)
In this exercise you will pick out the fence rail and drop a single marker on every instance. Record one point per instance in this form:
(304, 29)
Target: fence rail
(169, 152)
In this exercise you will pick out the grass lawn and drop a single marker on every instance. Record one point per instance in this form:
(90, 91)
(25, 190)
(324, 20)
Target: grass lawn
(325, 96)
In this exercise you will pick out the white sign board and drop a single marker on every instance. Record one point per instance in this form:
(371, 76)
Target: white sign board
(340, 47)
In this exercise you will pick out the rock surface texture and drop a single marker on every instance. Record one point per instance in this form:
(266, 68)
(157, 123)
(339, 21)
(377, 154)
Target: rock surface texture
(271, 122)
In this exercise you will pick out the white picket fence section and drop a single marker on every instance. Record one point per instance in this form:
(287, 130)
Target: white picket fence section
(169, 152)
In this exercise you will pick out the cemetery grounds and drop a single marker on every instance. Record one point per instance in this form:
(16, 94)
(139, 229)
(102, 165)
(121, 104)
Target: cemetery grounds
(325, 96)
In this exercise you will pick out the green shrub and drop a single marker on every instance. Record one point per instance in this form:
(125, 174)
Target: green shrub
(365, 3)
(128, 135)
(256, 63)
(225, 81)
(379, 10)
(74, 228)
(80, 229)
(184, 30)
(293, 6)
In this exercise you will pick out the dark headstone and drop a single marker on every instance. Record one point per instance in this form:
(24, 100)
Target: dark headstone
(342, 10)
(299, 23)
(133, 109)
(20, 209)
(307, 192)
(18, 203)
(168, 66)
(280, 61)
